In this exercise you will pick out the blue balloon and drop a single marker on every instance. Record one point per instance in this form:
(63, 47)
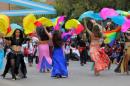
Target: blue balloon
(118, 20)
(96, 16)
(90, 14)
(16, 26)
(86, 14)
(53, 20)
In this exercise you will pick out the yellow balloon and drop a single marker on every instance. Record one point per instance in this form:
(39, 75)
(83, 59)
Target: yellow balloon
(4, 23)
(73, 23)
(107, 41)
(28, 24)
(10, 33)
(45, 21)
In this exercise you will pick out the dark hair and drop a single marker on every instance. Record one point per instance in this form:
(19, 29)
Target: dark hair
(14, 34)
(41, 33)
(15, 41)
(89, 24)
(96, 31)
(57, 40)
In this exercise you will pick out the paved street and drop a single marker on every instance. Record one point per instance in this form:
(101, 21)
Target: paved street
(78, 76)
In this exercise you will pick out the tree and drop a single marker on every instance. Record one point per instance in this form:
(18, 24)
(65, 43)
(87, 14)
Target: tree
(81, 6)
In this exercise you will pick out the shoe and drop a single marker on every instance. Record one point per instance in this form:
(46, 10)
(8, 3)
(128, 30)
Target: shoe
(2, 75)
(82, 64)
(58, 76)
(14, 78)
(23, 77)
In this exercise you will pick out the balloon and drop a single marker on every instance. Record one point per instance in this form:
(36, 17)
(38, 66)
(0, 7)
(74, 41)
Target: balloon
(79, 29)
(58, 22)
(107, 41)
(126, 25)
(38, 24)
(90, 14)
(96, 16)
(73, 23)
(28, 24)
(86, 14)
(108, 12)
(4, 24)
(13, 28)
(16, 26)
(10, 33)
(118, 20)
(45, 21)
(123, 13)
(111, 35)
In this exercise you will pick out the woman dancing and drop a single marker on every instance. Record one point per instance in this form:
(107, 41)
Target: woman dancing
(100, 58)
(45, 61)
(58, 58)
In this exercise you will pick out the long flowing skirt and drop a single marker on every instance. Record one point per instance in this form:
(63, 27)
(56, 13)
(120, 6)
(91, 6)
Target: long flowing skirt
(59, 63)
(45, 61)
(100, 58)
(1, 59)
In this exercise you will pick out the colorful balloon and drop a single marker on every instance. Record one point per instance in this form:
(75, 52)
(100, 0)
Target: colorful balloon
(108, 12)
(111, 36)
(75, 25)
(90, 14)
(16, 26)
(123, 13)
(126, 25)
(59, 21)
(28, 24)
(120, 20)
(4, 24)
(72, 23)
(45, 21)
(86, 14)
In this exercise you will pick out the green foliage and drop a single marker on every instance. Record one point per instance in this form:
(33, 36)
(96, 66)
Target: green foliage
(81, 6)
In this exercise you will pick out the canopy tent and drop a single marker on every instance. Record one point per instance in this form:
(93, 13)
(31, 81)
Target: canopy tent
(33, 7)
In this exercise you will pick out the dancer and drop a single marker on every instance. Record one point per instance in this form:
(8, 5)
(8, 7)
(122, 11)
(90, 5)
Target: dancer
(58, 58)
(45, 61)
(17, 40)
(123, 66)
(98, 55)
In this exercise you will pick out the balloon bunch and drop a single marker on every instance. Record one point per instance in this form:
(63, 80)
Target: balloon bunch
(119, 17)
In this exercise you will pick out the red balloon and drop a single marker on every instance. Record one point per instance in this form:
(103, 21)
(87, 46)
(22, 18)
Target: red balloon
(37, 23)
(79, 29)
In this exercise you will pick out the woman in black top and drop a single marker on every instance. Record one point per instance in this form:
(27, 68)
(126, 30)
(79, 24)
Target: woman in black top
(17, 40)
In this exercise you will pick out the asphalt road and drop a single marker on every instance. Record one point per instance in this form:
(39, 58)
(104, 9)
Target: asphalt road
(78, 76)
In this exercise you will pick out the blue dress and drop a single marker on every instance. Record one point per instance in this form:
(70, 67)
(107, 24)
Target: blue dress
(1, 59)
(59, 63)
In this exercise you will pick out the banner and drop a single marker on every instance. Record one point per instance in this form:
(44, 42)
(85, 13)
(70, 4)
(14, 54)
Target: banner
(34, 7)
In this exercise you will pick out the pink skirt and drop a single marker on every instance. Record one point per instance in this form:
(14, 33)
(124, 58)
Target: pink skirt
(44, 53)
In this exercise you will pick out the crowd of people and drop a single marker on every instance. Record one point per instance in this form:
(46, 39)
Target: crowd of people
(52, 52)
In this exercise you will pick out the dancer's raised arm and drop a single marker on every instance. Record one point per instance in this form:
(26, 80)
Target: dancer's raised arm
(85, 25)
(49, 35)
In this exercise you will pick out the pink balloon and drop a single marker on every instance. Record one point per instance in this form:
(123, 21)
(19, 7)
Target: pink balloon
(59, 20)
(108, 12)
(126, 25)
